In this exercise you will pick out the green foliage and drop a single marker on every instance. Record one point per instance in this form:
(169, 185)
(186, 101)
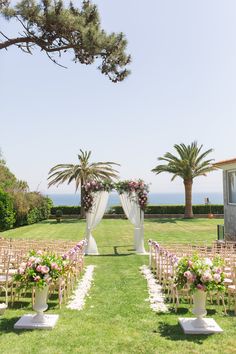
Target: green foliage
(33, 216)
(82, 172)
(7, 179)
(173, 209)
(66, 210)
(7, 215)
(40, 207)
(151, 209)
(189, 163)
(57, 28)
(18, 206)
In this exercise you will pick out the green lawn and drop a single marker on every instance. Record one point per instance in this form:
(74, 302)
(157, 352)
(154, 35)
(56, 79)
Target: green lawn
(112, 232)
(116, 317)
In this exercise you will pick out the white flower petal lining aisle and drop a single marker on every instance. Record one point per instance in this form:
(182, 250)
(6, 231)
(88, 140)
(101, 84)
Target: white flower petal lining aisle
(156, 296)
(78, 299)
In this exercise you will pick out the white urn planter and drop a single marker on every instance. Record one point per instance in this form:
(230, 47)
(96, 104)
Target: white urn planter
(199, 325)
(40, 304)
(40, 320)
(199, 308)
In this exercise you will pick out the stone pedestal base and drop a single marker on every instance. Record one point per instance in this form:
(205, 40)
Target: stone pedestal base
(204, 326)
(28, 322)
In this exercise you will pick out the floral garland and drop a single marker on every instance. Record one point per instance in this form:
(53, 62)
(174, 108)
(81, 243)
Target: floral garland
(72, 252)
(91, 187)
(172, 257)
(138, 187)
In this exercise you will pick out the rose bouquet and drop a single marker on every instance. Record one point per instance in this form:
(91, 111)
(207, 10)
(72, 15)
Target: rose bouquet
(40, 269)
(200, 273)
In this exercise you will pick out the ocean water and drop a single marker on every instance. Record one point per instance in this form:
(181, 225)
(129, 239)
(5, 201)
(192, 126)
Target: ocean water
(153, 198)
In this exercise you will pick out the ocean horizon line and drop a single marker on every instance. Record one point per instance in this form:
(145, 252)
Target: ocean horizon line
(73, 199)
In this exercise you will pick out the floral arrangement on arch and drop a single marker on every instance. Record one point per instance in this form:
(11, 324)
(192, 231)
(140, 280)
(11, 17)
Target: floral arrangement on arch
(138, 187)
(200, 273)
(40, 269)
(91, 187)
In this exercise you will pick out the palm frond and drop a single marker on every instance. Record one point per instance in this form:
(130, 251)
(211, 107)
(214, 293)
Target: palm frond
(187, 164)
(81, 172)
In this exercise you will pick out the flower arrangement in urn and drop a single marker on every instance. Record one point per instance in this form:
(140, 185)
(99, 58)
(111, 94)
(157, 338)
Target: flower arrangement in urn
(199, 273)
(40, 269)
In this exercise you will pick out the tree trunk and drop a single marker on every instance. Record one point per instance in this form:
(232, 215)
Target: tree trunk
(82, 211)
(188, 183)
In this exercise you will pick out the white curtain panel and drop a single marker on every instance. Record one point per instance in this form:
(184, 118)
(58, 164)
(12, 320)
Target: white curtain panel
(136, 217)
(93, 218)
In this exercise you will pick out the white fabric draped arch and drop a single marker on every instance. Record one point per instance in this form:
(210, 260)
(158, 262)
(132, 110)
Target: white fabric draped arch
(93, 218)
(136, 217)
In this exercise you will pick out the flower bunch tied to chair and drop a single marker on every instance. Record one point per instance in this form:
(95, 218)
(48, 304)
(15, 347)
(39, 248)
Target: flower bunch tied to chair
(198, 273)
(40, 269)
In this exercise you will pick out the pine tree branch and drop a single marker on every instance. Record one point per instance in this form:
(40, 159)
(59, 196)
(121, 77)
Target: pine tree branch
(14, 41)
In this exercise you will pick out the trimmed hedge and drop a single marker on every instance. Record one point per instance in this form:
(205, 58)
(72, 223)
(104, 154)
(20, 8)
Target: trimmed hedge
(66, 210)
(151, 209)
(174, 209)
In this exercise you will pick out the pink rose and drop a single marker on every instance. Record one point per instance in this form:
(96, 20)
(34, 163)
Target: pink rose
(37, 278)
(190, 276)
(206, 277)
(200, 287)
(54, 266)
(23, 265)
(44, 269)
(187, 274)
(39, 268)
(217, 277)
(190, 264)
(21, 270)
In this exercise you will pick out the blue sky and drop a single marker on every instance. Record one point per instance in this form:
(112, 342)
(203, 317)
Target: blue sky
(182, 88)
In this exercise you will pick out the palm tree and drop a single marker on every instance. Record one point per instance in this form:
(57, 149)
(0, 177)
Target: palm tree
(81, 173)
(189, 163)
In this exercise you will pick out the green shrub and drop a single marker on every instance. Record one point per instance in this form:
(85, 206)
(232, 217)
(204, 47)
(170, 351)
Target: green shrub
(33, 216)
(59, 213)
(66, 210)
(31, 208)
(7, 215)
